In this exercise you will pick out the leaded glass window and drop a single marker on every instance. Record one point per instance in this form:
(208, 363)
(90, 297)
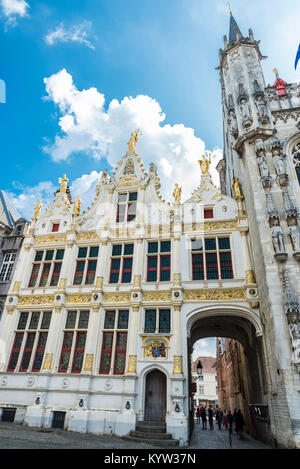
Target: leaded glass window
(159, 261)
(73, 347)
(157, 320)
(211, 259)
(29, 346)
(114, 342)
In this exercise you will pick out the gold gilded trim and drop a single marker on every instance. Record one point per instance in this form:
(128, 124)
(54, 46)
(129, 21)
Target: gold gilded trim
(36, 300)
(216, 294)
(50, 239)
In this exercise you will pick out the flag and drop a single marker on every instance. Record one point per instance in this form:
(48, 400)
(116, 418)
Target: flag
(297, 57)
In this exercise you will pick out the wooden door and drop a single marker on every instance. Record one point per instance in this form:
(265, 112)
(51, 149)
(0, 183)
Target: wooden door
(155, 402)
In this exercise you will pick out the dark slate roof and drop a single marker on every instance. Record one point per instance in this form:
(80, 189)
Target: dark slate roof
(233, 27)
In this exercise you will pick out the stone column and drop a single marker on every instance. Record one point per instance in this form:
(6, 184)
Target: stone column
(249, 274)
(177, 357)
(53, 345)
(91, 341)
(132, 340)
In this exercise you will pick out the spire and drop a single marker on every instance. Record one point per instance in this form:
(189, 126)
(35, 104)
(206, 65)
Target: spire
(233, 27)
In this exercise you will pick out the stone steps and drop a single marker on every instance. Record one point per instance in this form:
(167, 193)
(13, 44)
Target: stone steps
(152, 433)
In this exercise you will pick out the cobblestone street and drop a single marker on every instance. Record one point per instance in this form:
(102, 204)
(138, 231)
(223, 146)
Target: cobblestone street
(15, 436)
(219, 439)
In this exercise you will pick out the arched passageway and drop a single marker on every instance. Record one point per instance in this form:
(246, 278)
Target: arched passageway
(245, 357)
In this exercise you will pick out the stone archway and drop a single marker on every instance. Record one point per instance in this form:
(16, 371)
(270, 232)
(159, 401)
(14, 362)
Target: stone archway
(244, 326)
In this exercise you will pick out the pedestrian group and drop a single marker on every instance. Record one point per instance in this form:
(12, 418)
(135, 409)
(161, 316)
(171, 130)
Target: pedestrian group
(227, 419)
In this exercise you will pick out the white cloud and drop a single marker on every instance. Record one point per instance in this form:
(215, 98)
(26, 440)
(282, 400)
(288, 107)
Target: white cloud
(13, 8)
(87, 127)
(204, 348)
(77, 33)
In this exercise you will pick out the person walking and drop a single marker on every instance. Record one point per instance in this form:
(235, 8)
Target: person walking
(210, 418)
(230, 425)
(240, 422)
(234, 419)
(225, 420)
(198, 413)
(203, 417)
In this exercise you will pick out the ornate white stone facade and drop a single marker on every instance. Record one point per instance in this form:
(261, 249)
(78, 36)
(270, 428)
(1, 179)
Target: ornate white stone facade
(134, 281)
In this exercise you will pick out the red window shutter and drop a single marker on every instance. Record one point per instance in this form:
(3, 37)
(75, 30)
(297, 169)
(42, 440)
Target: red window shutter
(15, 351)
(79, 272)
(121, 212)
(152, 269)
(208, 213)
(55, 227)
(120, 353)
(34, 275)
(197, 266)
(55, 274)
(127, 270)
(165, 267)
(65, 352)
(45, 274)
(27, 351)
(79, 352)
(39, 353)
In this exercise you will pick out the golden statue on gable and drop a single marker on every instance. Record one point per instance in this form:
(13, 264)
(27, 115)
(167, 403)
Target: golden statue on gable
(63, 183)
(177, 193)
(77, 206)
(133, 139)
(204, 164)
(37, 209)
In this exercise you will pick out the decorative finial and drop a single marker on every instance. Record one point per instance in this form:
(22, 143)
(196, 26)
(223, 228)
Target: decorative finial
(229, 8)
(63, 183)
(177, 193)
(37, 209)
(133, 139)
(204, 164)
(77, 206)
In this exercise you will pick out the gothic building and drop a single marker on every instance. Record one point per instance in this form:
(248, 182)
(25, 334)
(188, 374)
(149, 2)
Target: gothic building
(12, 228)
(105, 304)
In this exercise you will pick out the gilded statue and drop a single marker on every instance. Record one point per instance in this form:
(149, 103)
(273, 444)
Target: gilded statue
(133, 140)
(77, 206)
(204, 164)
(236, 188)
(37, 209)
(63, 183)
(177, 193)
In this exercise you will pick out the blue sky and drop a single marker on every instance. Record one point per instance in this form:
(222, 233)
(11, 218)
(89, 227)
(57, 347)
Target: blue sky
(144, 63)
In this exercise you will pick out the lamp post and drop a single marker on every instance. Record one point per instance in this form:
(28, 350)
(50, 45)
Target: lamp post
(199, 368)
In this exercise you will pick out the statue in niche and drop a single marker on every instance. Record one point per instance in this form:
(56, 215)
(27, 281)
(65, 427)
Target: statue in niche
(277, 237)
(244, 109)
(279, 162)
(263, 165)
(294, 232)
(236, 188)
(261, 108)
(295, 330)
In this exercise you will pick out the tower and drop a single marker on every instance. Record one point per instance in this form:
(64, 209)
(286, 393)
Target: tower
(261, 134)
